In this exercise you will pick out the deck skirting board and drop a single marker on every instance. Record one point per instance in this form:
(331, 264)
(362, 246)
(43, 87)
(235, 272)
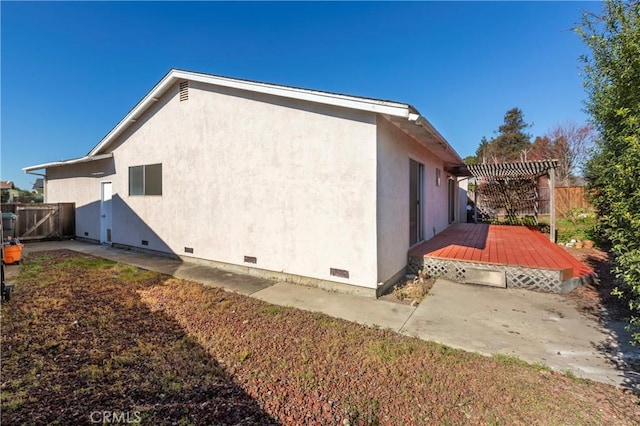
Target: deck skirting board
(543, 280)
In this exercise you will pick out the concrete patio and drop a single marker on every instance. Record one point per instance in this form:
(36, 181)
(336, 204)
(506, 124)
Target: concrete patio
(537, 327)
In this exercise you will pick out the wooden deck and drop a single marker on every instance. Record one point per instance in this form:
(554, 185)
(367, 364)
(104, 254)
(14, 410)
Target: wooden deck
(501, 245)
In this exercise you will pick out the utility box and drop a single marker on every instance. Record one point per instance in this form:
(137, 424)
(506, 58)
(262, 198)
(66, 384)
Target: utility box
(9, 225)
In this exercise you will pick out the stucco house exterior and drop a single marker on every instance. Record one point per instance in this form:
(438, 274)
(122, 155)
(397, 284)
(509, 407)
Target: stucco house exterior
(313, 187)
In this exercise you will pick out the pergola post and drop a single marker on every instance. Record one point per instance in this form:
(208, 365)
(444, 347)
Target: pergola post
(475, 200)
(536, 196)
(552, 204)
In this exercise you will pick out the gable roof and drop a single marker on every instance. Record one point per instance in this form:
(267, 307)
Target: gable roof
(403, 115)
(6, 184)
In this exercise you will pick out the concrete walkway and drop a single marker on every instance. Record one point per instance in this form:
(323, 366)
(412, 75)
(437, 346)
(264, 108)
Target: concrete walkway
(536, 327)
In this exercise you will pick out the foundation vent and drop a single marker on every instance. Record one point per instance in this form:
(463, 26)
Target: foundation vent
(342, 273)
(144, 242)
(188, 249)
(250, 259)
(86, 234)
(184, 91)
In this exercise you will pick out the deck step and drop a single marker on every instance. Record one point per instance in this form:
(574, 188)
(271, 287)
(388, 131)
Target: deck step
(490, 277)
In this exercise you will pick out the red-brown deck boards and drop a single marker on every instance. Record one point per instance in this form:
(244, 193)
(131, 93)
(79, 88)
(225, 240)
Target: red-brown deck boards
(579, 268)
(502, 245)
(448, 251)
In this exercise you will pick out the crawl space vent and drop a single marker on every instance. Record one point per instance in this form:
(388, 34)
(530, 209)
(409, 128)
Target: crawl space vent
(335, 272)
(184, 91)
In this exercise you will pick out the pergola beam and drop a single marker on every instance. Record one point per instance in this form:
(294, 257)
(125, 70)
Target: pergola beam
(522, 170)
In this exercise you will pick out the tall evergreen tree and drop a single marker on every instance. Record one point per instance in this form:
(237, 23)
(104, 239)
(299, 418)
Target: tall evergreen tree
(481, 152)
(511, 140)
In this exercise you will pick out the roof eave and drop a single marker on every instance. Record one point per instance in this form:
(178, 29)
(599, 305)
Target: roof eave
(420, 129)
(422, 121)
(149, 99)
(84, 159)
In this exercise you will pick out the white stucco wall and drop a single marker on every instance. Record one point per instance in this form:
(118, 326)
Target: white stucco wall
(394, 150)
(289, 182)
(80, 184)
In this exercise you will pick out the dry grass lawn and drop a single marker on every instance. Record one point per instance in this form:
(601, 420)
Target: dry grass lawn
(83, 335)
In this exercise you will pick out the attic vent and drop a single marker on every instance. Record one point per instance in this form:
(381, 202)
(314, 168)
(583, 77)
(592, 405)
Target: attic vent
(184, 90)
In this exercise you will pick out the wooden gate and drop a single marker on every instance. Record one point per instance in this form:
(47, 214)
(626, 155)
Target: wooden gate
(43, 221)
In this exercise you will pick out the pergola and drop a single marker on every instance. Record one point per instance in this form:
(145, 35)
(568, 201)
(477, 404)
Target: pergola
(522, 171)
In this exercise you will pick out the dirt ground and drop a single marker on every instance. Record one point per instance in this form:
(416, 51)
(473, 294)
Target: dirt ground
(596, 299)
(85, 335)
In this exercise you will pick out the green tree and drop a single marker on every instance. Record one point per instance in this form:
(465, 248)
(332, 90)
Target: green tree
(482, 151)
(512, 139)
(471, 159)
(612, 83)
(511, 142)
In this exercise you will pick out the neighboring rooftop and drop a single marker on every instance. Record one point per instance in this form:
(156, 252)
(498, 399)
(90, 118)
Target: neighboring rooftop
(38, 185)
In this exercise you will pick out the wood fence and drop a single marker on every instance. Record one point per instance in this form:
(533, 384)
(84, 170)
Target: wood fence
(42, 221)
(571, 197)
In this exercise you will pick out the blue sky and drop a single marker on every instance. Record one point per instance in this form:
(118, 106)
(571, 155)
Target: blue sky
(71, 71)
